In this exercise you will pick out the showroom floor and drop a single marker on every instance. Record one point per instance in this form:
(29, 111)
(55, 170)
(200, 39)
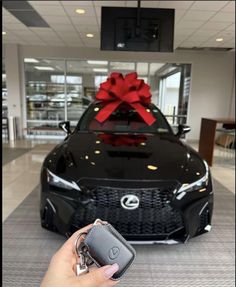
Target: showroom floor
(207, 260)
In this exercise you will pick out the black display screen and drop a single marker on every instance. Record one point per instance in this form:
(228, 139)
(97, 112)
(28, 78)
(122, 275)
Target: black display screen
(130, 29)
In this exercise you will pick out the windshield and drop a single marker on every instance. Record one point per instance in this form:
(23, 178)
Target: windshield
(124, 119)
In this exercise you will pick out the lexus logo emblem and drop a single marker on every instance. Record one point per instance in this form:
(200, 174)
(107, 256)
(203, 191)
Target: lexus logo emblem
(114, 252)
(129, 201)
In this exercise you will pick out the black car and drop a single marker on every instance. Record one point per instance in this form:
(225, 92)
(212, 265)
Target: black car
(143, 179)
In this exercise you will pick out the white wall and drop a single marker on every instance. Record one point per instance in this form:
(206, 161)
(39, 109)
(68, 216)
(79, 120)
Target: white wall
(232, 102)
(211, 79)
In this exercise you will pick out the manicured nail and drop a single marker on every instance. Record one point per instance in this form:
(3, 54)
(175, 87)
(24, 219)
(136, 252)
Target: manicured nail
(110, 270)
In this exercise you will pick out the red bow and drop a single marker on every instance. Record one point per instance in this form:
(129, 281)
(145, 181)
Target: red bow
(130, 90)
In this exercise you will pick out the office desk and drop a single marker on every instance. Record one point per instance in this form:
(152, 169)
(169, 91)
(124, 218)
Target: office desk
(207, 136)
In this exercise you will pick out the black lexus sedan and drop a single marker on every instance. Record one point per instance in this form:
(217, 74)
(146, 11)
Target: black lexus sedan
(144, 180)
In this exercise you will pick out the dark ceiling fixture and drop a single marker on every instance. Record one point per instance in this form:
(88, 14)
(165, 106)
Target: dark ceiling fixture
(25, 13)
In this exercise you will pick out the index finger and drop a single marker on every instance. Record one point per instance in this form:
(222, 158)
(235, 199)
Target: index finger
(69, 245)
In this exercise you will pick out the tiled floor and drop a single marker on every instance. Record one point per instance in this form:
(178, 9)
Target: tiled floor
(21, 175)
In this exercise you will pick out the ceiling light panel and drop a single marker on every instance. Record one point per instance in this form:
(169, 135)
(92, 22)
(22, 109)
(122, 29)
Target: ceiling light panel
(100, 70)
(93, 62)
(41, 68)
(30, 60)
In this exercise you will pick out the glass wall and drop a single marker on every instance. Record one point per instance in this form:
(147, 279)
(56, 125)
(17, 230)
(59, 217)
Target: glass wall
(58, 90)
(4, 91)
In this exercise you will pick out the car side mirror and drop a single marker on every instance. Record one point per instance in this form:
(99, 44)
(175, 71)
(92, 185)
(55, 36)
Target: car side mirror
(65, 126)
(183, 129)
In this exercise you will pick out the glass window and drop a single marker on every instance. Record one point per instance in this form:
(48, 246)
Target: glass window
(83, 79)
(123, 119)
(142, 71)
(122, 67)
(45, 92)
(4, 91)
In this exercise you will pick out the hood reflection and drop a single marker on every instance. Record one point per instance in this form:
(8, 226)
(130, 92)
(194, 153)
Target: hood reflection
(123, 140)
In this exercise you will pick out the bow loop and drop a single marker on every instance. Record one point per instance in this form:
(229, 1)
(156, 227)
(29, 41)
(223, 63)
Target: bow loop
(129, 89)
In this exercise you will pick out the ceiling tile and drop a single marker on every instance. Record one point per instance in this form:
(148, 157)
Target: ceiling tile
(62, 28)
(71, 10)
(223, 17)
(41, 30)
(208, 5)
(189, 24)
(10, 19)
(227, 45)
(207, 33)
(199, 39)
(98, 11)
(49, 10)
(192, 15)
(223, 35)
(67, 34)
(44, 2)
(148, 4)
(75, 45)
(24, 33)
(56, 20)
(230, 7)
(109, 3)
(189, 44)
(180, 38)
(231, 27)
(179, 14)
(84, 21)
(215, 26)
(184, 31)
(14, 26)
(87, 28)
(78, 3)
(175, 4)
(5, 12)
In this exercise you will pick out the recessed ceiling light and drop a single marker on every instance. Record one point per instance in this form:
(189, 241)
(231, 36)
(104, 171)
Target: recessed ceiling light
(219, 39)
(152, 167)
(100, 70)
(30, 60)
(4, 33)
(89, 35)
(41, 68)
(93, 62)
(80, 11)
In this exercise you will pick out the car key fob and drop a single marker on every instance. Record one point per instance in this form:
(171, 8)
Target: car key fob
(106, 246)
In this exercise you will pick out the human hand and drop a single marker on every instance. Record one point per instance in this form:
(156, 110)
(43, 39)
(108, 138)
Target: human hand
(61, 270)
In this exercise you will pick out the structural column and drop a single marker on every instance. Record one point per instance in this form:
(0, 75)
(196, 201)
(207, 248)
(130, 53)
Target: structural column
(14, 85)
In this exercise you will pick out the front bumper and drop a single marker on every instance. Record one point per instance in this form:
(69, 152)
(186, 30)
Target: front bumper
(160, 217)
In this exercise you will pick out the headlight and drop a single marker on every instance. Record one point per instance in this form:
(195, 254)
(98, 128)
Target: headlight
(60, 182)
(196, 185)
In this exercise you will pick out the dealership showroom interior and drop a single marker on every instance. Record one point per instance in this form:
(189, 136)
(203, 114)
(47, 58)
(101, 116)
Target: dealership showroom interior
(118, 143)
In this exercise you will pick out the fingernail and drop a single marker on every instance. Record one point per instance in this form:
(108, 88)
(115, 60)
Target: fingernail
(110, 270)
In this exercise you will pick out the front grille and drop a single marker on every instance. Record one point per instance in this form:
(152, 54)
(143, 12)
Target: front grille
(154, 216)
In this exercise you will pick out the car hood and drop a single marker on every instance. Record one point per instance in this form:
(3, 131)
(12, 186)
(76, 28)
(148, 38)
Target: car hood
(117, 156)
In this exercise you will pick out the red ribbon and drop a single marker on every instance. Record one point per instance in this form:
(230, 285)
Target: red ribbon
(125, 140)
(118, 89)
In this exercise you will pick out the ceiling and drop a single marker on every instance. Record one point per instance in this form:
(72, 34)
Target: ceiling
(197, 23)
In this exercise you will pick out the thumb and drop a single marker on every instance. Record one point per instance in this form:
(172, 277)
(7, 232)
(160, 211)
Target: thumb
(99, 276)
